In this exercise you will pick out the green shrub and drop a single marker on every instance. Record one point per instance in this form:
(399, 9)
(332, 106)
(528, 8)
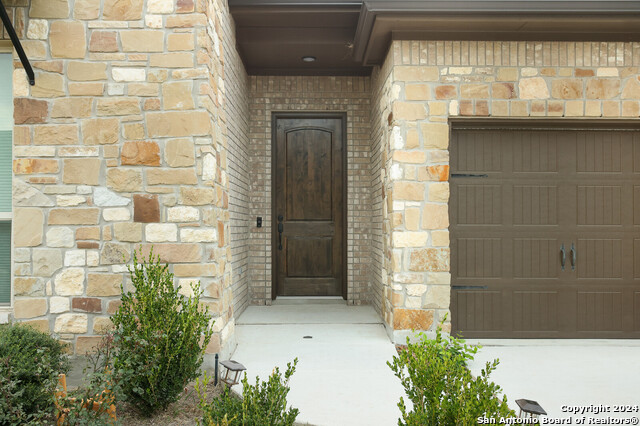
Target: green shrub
(160, 337)
(30, 362)
(264, 403)
(443, 391)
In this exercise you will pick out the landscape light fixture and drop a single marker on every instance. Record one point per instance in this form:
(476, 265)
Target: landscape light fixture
(233, 367)
(530, 409)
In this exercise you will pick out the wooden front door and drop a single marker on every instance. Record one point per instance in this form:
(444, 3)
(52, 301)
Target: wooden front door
(308, 214)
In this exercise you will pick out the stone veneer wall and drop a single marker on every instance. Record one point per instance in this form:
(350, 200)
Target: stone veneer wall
(342, 94)
(436, 80)
(236, 88)
(121, 143)
(17, 11)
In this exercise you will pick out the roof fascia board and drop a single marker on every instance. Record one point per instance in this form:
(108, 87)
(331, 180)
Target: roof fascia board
(363, 32)
(372, 8)
(234, 4)
(505, 6)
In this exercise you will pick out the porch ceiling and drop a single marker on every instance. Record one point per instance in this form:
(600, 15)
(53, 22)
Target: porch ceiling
(348, 37)
(272, 39)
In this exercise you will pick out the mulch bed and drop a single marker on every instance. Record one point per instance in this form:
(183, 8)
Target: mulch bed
(183, 412)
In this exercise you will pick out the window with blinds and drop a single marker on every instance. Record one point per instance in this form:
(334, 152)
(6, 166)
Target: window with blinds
(6, 128)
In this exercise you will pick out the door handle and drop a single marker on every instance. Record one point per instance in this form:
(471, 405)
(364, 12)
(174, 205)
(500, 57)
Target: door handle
(563, 256)
(280, 229)
(573, 257)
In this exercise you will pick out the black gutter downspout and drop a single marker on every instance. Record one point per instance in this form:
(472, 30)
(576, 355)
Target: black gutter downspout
(16, 43)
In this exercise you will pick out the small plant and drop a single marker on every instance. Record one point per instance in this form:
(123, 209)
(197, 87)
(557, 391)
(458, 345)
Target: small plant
(443, 391)
(264, 403)
(225, 409)
(30, 362)
(160, 336)
(93, 404)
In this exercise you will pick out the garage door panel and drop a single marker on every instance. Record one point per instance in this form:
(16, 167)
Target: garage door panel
(479, 311)
(636, 205)
(635, 141)
(535, 258)
(600, 311)
(478, 257)
(534, 153)
(478, 152)
(535, 311)
(479, 205)
(535, 205)
(599, 152)
(636, 311)
(599, 205)
(636, 259)
(599, 258)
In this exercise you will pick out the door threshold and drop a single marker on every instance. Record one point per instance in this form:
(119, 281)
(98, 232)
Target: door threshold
(308, 300)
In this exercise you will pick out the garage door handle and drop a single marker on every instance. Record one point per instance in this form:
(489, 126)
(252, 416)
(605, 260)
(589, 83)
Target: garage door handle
(573, 257)
(563, 256)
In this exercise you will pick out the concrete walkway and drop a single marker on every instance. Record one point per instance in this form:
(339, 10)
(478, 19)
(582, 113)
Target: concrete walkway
(557, 373)
(342, 377)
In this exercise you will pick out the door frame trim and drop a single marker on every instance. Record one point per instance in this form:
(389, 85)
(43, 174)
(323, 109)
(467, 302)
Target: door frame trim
(275, 115)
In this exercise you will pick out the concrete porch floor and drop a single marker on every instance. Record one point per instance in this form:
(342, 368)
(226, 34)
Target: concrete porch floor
(342, 377)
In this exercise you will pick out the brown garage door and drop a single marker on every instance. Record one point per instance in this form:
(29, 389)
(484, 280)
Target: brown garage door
(526, 201)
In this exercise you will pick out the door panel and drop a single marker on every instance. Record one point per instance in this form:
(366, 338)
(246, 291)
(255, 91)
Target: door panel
(308, 206)
(479, 311)
(535, 258)
(309, 257)
(308, 174)
(535, 310)
(599, 258)
(600, 311)
(549, 189)
(535, 205)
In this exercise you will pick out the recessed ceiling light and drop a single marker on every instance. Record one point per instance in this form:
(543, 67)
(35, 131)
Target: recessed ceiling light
(309, 58)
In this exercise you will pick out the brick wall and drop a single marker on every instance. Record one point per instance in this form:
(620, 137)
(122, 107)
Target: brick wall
(122, 143)
(236, 108)
(344, 94)
(381, 258)
(436, 80)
